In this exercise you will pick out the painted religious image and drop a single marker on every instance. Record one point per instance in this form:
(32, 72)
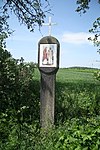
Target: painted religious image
(48, 55)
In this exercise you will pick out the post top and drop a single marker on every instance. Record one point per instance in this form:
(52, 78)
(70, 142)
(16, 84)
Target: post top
(48, 40)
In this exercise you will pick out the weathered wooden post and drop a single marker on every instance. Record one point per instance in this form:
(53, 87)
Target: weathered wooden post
(48, 63)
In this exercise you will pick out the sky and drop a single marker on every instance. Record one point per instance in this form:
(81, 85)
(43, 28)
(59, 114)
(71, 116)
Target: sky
(71, 31)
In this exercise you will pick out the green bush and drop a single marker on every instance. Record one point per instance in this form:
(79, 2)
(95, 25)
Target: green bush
(19, 96)
(74, 134)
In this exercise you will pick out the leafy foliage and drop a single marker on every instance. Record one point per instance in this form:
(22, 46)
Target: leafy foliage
(74, 134)
(19, 100)
(4, 28)
(96, 31)
(28, 12)
(83, 5)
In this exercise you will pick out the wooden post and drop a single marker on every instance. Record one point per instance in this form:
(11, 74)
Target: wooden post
(47, 99)
(48, 63)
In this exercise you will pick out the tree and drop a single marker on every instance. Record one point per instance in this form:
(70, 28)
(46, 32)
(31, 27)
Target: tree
(29, 12)
(83, 6)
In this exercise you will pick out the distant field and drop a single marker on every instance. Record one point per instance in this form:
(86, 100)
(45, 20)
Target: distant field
(76, 75)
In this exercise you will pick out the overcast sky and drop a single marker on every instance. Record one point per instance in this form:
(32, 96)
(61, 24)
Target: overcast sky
(71, 31)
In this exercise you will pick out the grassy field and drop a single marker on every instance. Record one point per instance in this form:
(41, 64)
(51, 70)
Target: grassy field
(76, 75)
(77, 93)
(72, 75)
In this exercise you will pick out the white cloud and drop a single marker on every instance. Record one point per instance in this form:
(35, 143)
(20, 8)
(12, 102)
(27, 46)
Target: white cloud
(76, 38)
